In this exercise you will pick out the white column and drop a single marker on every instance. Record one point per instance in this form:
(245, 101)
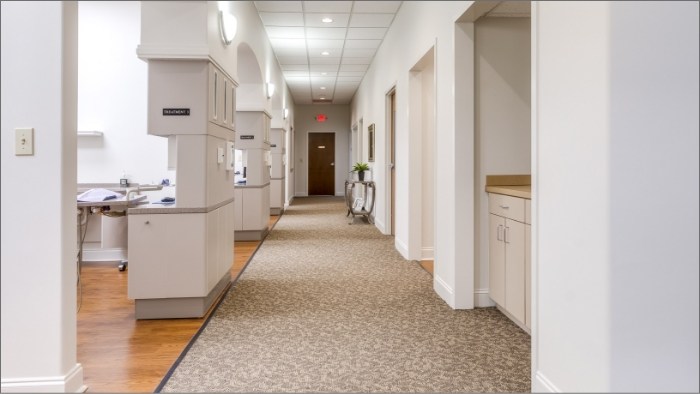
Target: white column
(39, 90)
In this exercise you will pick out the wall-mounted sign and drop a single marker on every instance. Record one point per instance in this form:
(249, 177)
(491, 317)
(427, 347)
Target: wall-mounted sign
(176, 112)
(247, 137)
(321, 118)
(273, 145)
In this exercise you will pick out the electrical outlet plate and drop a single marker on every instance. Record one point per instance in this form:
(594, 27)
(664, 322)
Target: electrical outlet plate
(24, 141)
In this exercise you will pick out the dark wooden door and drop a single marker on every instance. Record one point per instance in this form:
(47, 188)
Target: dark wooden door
(321, 164)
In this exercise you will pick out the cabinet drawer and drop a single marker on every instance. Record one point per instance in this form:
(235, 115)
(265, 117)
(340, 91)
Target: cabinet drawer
(507, 206)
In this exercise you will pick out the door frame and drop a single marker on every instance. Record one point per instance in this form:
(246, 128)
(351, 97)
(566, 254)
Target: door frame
(390, 193)
(335, 158)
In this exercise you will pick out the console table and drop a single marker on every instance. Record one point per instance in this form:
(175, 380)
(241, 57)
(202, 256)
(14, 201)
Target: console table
(353, 190)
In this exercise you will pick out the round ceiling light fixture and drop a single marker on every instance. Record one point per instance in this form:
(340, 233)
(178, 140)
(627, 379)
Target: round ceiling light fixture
(327, 20)
(325, 53)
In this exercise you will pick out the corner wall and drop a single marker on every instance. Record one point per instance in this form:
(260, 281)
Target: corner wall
(39, 89)
(615, 214)
(423, 25)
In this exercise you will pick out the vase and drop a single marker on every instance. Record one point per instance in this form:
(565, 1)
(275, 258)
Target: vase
(361, 175)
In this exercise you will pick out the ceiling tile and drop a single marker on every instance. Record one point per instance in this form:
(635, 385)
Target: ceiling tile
(353, 67)
(356, 60)
(285, 32)
(324, 60)
(349, 79)
(288, 43)
(370, 44)
(323, 74)
(325, 44)
(366, 33)
(282, 19)
(351, 73)
(298, 80)
(327, 6)
(376, 6)
(355, 52)
(315, 20)
(323, 68)
(371, 20)
(325, 81)
(304, 73)
(278, 6)
(289, 52)
(294, 67)
(293, 59)
(326, 33)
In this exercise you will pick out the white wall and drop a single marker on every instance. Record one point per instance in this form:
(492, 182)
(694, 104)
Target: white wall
(39, 89)
(418, 26)
(339, 123)
(112, 95)
(615, 213)
(502, 127)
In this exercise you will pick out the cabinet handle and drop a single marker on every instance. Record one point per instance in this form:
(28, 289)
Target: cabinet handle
(504, 206)
(506, 238)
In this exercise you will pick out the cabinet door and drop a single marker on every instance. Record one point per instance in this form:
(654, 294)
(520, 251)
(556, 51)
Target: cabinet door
(528, 276)
(167, 256)
(497, 257)
(514, 238)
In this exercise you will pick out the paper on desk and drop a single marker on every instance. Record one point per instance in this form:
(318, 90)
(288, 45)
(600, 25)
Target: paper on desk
(95, 195)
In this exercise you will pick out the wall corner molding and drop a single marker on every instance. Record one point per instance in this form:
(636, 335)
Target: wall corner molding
(482, 299)
(193, 52)
(444, 290)
(401, 248)
(540, 384)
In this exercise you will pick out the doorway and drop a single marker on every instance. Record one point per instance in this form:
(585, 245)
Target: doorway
(321, 164)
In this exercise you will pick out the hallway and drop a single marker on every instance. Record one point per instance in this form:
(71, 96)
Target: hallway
(329, 307)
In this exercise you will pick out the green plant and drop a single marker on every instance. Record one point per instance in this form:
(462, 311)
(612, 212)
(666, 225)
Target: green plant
(360, 167)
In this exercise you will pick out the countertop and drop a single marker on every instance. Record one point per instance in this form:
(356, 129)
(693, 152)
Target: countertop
(154, 208)
(522, 191)
(510, 185)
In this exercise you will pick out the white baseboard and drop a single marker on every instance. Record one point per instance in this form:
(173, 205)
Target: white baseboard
(379, 225)
(401, 248)
(115, 254)
(72, 382)
(540, 384)
(427, 254)
(301, 194)
(482, 299)
(340, 194)
(444, 290)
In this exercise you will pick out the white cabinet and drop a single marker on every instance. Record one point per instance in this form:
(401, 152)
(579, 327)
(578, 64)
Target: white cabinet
(190, 97)
(508, 255)
(179, 256)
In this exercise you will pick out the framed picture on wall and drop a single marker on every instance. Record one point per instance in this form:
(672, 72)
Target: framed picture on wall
(370, 145)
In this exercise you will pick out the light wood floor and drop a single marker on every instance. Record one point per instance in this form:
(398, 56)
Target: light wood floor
(427, 265)
(119, 353)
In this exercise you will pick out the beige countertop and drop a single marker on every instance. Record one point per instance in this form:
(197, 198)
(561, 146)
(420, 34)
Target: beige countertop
(510, 185)
(155, 208)
(522, 191)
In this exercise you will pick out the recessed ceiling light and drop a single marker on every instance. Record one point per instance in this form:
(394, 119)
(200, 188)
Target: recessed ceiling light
(324, 73)
(322, 98)
(323, 88)
(325, 53)
(327, 20)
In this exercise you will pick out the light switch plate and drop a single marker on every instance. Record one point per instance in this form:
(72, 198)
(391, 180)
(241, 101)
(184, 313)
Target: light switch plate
(220, 155)
(24, 141)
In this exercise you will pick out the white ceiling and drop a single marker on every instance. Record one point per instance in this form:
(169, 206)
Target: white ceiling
(325, 61)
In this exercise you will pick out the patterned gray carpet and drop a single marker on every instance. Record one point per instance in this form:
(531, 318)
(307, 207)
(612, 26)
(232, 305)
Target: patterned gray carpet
(329, 307)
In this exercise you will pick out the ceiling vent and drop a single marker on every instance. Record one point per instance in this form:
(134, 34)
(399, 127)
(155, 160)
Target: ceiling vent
(316, 101)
